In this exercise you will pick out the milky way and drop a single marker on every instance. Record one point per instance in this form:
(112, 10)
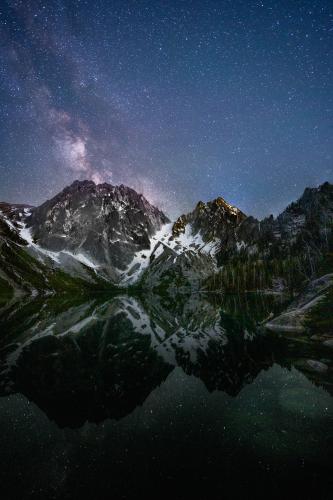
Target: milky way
(182, 100)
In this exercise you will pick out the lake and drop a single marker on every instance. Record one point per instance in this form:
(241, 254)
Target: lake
(130, 396)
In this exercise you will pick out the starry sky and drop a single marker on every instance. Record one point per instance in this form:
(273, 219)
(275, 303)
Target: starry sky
(183, 100)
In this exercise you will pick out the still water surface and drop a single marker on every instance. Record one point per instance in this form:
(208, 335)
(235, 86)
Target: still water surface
(130, 397)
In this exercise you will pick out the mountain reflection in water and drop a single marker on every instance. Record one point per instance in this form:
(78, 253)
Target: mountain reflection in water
(110, 358)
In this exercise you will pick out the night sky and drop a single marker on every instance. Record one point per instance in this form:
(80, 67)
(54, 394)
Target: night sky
(182, 100)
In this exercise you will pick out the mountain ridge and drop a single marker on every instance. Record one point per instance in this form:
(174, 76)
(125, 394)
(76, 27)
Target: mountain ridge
(112, 233)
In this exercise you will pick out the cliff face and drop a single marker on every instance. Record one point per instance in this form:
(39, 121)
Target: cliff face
(107, 224)
(215, 219)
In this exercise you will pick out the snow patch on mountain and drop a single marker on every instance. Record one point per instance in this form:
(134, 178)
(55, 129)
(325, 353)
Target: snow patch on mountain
(164, 240)
(192, 241)
(142, 258)
(81, 258)
(25, 233)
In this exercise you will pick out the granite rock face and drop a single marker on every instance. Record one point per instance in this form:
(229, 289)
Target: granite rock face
(107, 224)
(306, 223)
(215, 219)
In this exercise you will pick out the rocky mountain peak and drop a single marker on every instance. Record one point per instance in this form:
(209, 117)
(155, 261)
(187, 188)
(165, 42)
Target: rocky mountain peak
(210, 219)
(80, 189)
(105, 223)
(220, 202)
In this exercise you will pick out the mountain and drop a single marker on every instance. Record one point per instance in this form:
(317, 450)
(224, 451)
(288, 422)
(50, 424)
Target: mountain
(212, 220)
(24, 270)
(188, 252)
(304, 222)
(235, 252)
(105, 235)
(94, 234)
(103, 225)
(282, 252)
